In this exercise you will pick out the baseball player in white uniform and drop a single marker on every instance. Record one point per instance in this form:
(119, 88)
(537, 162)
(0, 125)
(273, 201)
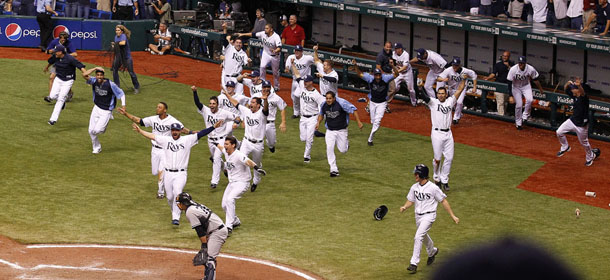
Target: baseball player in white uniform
(452, 76)
(336, 111)
(329, 79)
(105, 93)
(441, 136)
(311, 101)
(233, 62)
(577, 123)
(435, 62)
(272, 48)
(225, 104)
(405, 73)
(177, 151)
(303, 64)
(160, 124)
(275, 103)
(211, 115)
(252, 81)
(255, 120)
(425, 195)
(238, 166)
(520, 76)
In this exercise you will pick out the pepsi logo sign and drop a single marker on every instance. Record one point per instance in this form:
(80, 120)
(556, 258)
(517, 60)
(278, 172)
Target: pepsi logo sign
(13, 31)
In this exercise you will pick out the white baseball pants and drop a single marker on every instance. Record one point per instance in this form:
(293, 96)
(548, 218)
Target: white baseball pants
(233, 192)
(270, 134)
(59, 92)
(239, 87)
(520, 112)
(296, 98)
(307, 127)
(582, 132)
(376, 111)
(429, 84)
(275, 66)
(217, 158)
(338, 138)
(97, 125)
(174, 184)
(157, 161)
(255, 152)
(442, 146)
(457, 113)
(406, 78)
(423, 223)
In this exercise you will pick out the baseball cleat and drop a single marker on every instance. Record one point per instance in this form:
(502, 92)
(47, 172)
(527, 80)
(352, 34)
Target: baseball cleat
(47, 99)
(387, 109)
(456, 121)
(431, 258)
(334, 174)
(160, 195)
(51, 122)
(306, 160)
(589, 163)
(175, 222)
(560, 153)
(236, 222)
(253, 187)
(519, 127)
(318, 134)
(136, 90)
(276, 89)
(597, 152)
(70, 96)
(445, 186)
(438, 183)
(97, 151)
(213, 186)
(370, 143)
(272, 149)
(412, 268)
(230, 230)
(367, 108)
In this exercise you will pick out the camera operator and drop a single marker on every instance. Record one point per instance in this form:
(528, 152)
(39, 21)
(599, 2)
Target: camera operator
(163, 10)
(163, 40)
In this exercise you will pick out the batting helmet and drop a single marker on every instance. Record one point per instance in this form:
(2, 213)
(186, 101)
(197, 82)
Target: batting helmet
(421, 170)
(185, 199)
(380, 212)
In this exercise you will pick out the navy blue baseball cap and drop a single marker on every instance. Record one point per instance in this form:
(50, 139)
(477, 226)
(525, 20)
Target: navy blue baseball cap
(176, 126)
(377, 71)
(298, 48)
(255, 73)
(308, 78)
(456, 61)
(266, 83)
(420, 53)
(398, 46)
(230, 84)
(522, 59)
(60, 48)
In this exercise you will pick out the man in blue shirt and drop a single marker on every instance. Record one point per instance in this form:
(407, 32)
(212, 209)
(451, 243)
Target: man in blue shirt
(378, 95)
(61, 40)
(336, 110)
(43, 17)
(105, 93)
(602, 16)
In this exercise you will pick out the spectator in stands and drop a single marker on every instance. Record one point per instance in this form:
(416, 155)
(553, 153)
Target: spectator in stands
(500, 71)
(540, 10)
(515, 8)
(83, 8)
(588, 10)
(556, 15)
(71, 8)
(574, 13)
(294, 34)
(259, 22)
(44, 10)
(125, 9)
(485, 8)
(163, 40)
(283, 24)
(223, 7)
(163, 10)
(104, 5)
(474, 7)
(28, 8)
(602, 15)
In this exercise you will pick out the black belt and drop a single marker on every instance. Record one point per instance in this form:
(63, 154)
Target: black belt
(254, 141)
(420, 214)
(270, 121)
(158, 147)
(218, 228)
(175, 170)
(126, 6)
(442, 129)
(308, 116)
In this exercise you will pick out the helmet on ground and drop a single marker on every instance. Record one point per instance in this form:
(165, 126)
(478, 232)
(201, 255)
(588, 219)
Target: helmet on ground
(380, 212)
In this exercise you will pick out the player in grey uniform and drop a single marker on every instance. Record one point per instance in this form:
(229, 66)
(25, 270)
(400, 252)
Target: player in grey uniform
(160, 124)
(578, 122)
(425, 195)
(211, 230)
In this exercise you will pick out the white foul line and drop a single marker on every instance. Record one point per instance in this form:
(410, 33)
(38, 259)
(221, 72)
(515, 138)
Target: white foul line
(267, 263)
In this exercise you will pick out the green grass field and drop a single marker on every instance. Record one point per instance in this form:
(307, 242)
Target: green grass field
(55, 191)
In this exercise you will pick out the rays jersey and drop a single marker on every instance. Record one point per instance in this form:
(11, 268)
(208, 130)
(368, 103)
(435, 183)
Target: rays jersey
(310, 100)
(302, 64)
(160, 127)
(435, 62)
(402, 60)
(455, 78)
(325, 85)
(225, 104)
(255, 123)
(521, 78)
(270, 43)
(234, 61)
(177, 152)
(440, 112)
(211, 118)
(275, 103)
(236, 166)
(426, 197)
(254, 89)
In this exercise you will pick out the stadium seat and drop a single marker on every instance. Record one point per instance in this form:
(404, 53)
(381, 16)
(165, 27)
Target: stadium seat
(104, 15)
(93, 5)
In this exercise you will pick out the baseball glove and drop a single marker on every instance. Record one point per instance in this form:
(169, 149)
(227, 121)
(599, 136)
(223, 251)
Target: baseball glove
(260, 171)
(202, 256)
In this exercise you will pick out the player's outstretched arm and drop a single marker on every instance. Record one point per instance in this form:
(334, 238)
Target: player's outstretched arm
(252, 164)
(357, 69)
(196, 98)
(460, 88)
(143, 132)
(447, 207)
(295, 71)
(133, 118)
(316, 59)
(231, 99)
(208, 130)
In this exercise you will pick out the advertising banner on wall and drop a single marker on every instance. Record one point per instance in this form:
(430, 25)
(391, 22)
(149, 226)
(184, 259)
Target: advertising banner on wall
(24, 32)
